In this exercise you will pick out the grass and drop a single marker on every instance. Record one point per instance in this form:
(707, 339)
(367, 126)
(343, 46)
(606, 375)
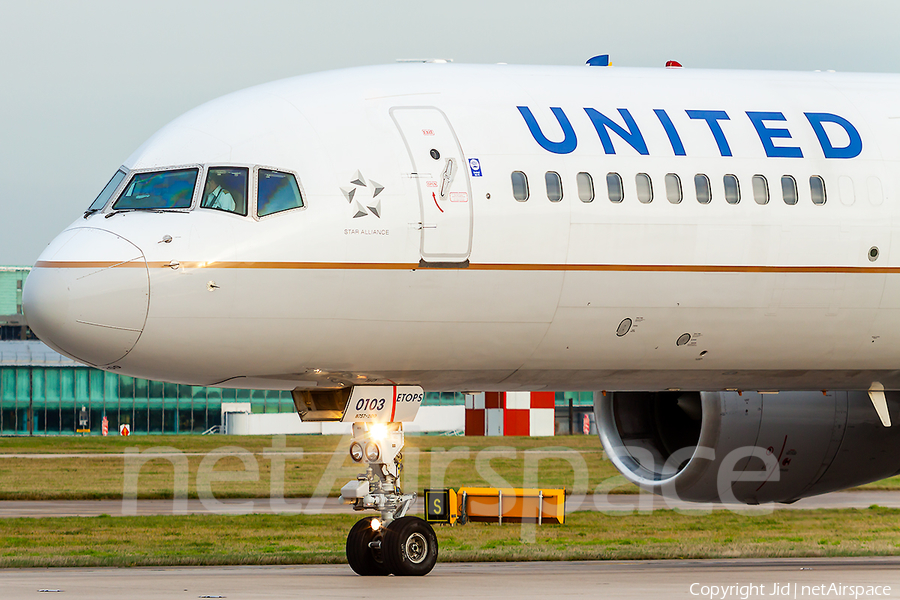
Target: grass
(258, 443)
(324, 466)
(97, 466)
(891, 483)
(98, 470)
(317, 539)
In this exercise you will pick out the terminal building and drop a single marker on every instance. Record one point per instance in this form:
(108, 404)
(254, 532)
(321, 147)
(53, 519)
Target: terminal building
(45, 393)
(12, 321)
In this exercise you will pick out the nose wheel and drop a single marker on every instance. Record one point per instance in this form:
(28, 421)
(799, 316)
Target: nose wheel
(364, 549)
(407, 546)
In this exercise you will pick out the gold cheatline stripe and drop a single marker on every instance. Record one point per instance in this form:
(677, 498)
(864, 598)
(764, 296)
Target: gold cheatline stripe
(63, 264)
(51, 264)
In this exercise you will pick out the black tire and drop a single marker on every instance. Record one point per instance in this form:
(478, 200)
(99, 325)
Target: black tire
(364, 560)
(409, 547)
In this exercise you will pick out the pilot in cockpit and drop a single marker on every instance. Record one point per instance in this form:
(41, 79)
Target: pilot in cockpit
(216, 195)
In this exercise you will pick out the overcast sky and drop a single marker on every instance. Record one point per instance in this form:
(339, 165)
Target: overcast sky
(82, 84)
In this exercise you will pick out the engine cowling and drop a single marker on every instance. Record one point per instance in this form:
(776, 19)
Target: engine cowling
(748, 447)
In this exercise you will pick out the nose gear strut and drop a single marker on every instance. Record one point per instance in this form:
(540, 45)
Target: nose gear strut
(396, 543)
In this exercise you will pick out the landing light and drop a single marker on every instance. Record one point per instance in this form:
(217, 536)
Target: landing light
(373, 452)
(356, 451)
(378, 431)
(376, 524)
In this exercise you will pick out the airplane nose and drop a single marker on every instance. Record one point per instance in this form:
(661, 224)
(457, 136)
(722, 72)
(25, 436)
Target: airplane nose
(87, 296)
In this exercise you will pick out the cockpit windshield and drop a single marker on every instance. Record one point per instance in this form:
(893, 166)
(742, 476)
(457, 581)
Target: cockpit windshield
(277, 192)
(226, 189)
(159, 190)
(107, 192)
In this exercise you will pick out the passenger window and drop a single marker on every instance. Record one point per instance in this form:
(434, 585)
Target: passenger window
(760, 189)
(159, 190)
(644, 188)
(876, 195)
(732, 189)
(107, 192)
(614, 187)
(554, 186)
(226, 189)
(817, 189)
(585, 187)
(789, 189)
(673, 188)
(847, 191)
(520, 186)
(276, 192)
(704, 190)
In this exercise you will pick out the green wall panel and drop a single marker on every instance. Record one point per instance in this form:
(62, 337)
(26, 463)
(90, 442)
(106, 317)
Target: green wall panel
(56, 395)
(149, 406)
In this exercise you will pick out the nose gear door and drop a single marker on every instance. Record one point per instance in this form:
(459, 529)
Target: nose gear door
(445, 195)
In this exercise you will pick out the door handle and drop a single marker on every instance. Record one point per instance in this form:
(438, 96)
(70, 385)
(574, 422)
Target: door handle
(446, 178)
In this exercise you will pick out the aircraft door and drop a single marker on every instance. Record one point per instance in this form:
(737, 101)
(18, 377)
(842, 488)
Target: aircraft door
(440, 173)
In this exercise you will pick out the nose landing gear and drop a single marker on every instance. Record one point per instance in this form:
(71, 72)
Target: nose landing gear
(395, 544)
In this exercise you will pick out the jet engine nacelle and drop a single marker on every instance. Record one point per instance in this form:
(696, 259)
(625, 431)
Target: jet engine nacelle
(748, 447)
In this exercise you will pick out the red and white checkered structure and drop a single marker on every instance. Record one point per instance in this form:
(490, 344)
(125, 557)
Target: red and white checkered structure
(511, 413)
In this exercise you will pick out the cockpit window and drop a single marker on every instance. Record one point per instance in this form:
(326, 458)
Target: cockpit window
(159, 190)
(226, 189)
(276, 192)
(107, 192)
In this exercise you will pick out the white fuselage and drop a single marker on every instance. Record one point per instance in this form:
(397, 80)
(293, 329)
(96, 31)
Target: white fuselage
(400, 268)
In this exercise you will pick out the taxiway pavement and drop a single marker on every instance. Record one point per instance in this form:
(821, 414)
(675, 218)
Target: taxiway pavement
(619, 580)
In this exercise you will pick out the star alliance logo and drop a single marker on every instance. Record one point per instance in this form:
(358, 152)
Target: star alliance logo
(356, 188)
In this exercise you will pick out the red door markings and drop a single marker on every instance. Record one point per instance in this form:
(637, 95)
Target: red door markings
(436, 202)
